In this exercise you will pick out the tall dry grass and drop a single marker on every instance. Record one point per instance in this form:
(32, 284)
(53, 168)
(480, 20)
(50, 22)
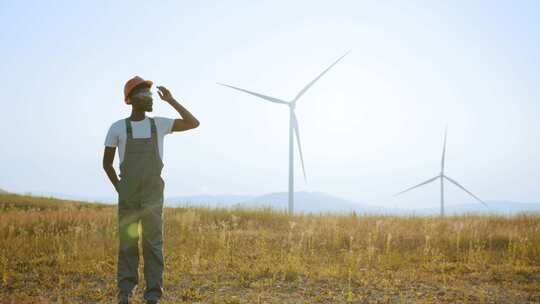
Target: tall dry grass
(65, 252)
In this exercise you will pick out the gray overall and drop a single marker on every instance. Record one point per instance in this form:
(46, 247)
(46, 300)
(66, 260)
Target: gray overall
(140, 199)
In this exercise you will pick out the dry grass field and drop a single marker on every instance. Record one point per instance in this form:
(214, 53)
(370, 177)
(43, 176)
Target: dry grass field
(54, 251)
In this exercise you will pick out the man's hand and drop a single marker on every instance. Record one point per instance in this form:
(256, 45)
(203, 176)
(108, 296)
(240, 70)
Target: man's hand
(188, 121)
(165, 94)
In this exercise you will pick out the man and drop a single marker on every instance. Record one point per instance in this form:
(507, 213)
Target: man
(139, 140)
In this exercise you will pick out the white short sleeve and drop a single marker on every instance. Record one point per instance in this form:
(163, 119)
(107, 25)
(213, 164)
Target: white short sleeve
(112, 139)
(164, 125)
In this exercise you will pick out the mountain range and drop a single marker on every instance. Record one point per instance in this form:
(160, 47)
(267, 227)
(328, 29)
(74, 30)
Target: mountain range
(307, 202)
(319, 202)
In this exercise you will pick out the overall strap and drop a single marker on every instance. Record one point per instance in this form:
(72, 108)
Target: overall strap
(128, 129)
(154, 137)
(153, 126)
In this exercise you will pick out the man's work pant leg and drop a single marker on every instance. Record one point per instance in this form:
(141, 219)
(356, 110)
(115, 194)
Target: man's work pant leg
(128, 251)
(152, 240)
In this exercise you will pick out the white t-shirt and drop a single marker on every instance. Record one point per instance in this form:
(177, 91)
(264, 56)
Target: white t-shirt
(117, 135)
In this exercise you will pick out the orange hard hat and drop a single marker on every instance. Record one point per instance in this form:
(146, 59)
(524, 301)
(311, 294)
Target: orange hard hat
(132, 83)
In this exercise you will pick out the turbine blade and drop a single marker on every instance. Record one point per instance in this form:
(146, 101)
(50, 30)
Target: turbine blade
(272, 99)
(463, 188)
(297, 133)
(421, 184)
(317, 78)
(444, 150)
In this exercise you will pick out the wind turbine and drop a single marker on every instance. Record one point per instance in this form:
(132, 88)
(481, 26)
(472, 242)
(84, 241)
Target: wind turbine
(293, 127)
(442, 176)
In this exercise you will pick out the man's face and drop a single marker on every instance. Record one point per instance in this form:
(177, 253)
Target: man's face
(141, 99)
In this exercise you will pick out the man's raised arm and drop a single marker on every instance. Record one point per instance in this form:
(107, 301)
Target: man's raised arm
(188, 121)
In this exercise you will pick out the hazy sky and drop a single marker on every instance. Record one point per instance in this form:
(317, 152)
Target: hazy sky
(370, 127)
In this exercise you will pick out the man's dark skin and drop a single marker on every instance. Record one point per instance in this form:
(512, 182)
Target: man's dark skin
(141, 102)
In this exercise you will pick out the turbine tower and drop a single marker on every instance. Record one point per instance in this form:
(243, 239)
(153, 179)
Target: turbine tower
(293, 127)
(442, 176)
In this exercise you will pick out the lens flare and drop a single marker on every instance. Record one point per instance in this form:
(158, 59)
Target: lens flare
(133, 230)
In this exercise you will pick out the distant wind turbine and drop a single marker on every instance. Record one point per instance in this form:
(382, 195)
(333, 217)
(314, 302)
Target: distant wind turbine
(293, 127)
(442, 176)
